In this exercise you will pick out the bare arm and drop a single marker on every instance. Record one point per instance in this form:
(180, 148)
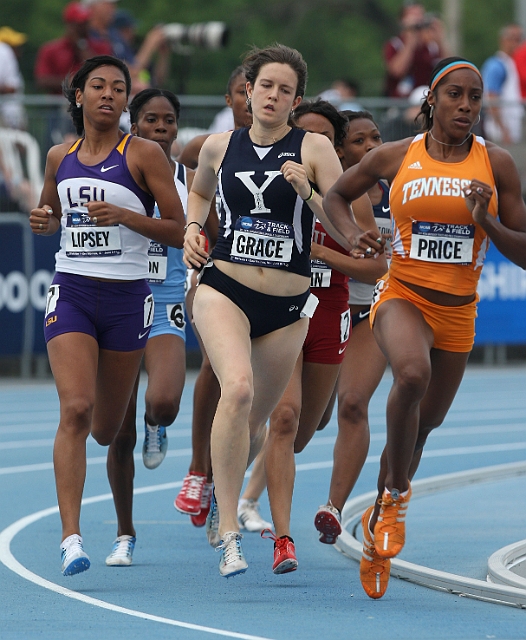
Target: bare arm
(49, 212)
(151, 170)
(211, 226)
(201, 198)
(382, 162)
(508, 233)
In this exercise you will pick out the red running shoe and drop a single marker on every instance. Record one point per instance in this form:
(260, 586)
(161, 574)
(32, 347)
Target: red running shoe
(189, 499)
(206, 497)
(284, 553)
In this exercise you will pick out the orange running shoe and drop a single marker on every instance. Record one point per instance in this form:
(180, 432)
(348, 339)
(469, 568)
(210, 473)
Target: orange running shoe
(374, 571)
(389, 530)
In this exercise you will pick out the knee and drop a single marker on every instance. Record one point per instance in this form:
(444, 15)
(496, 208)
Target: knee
(123, 445)
(424, 431)
(284, 421)
(413, 379)
(237, 395)
(162, 411)
(76, 414)
(352, 410)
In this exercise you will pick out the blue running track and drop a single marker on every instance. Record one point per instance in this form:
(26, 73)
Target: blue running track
(174, 590)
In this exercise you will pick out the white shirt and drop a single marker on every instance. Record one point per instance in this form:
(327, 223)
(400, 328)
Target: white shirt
(11, 110)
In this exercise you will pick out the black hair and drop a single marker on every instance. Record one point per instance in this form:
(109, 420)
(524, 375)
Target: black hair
(358, 115)
(327, 110)
(424, 118)
(79, 82)
(238, 71)
(146, 95)
(257, 58)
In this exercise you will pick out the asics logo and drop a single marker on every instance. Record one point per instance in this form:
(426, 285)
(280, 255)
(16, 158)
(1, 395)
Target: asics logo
(293, 308)
(288, 154)
(103, 169)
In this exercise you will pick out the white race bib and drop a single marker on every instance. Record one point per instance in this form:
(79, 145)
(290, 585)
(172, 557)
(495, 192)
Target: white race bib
(157, 262)
(85, 240)
(444, 243)
(262, 243)
(320, 274)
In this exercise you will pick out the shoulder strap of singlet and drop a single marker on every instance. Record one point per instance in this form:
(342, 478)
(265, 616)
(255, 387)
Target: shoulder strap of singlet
(124, 141)
(74, 146)
(181, 173)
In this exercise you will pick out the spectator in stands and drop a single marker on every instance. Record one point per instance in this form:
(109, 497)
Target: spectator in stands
(62, 58)
(12, 112)
(343, 94)
(503, 122)
(106, 24)
(410, 56)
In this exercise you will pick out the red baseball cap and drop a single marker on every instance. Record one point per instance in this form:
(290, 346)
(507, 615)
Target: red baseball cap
(76, 12)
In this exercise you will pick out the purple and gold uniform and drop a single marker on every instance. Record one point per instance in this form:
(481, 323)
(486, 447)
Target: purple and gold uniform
(100, 286)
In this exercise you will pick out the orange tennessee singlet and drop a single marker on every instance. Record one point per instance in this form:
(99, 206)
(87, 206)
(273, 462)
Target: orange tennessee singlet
(436, 244)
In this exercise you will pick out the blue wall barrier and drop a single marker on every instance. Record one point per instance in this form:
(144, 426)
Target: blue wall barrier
(23, 290)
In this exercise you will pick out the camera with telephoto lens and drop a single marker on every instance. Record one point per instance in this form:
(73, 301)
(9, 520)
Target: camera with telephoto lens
(208, 35)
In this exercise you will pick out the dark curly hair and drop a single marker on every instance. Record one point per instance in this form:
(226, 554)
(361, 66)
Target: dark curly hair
(327, 110)
(146, 95)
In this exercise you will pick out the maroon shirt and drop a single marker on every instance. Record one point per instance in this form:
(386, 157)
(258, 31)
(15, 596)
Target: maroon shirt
(419, 73)
(62, 58)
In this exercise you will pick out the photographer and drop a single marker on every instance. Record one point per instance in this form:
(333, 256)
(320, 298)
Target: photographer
(410, 57)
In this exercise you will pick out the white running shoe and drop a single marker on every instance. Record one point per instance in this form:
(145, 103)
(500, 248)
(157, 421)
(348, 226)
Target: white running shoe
(122, 553)
(232, 561)
(155, 445)
(250, 518)
(212, 524)
(74, 558)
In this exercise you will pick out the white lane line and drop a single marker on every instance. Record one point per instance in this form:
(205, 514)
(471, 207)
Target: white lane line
(430, 453)
(7, 558)
(27, 444)
(46, 466)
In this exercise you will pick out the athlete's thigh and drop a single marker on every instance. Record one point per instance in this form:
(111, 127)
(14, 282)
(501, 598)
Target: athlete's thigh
(402, 334)
(73, 358)
(225, 332)
(363, 366)
(447, 371)
(116, 377)
(274, 357)
(165, 362)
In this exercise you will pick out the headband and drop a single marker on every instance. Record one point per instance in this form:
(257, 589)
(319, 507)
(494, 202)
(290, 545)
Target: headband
(453, 66)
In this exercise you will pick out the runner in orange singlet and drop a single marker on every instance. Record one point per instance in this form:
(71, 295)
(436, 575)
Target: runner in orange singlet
(445, 209)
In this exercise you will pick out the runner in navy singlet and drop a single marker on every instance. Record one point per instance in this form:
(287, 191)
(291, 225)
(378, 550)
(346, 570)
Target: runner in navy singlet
(253, 301)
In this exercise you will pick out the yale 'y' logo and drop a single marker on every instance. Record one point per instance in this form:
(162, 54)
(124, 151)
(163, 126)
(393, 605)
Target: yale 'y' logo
(257, 192)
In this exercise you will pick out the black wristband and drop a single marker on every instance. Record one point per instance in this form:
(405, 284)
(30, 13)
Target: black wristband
(193, 222)
(310, 196)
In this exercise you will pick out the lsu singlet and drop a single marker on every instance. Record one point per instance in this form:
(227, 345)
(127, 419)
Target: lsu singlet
(167, 269)
(432, 226)
(114, 252)
(263, 221)
(361, 293)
